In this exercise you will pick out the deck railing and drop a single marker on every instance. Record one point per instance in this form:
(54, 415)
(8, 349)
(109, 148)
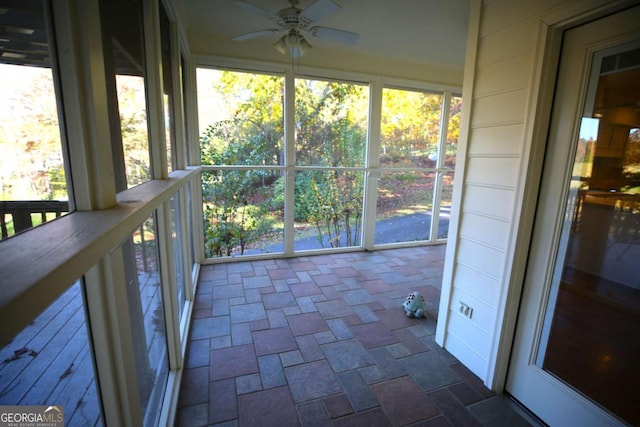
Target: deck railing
(20, 214)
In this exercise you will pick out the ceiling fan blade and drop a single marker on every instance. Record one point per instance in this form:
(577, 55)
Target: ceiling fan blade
(335, 35)
(318, 10)
(258, 10)
(254, 34)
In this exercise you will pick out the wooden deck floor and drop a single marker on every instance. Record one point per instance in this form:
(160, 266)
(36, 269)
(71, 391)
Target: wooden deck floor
(50, 363)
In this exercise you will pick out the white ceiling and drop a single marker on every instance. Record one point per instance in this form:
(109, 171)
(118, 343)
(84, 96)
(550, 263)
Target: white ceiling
(420, 34)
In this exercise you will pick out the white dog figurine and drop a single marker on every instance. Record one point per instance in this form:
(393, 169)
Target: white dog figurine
(414, 305)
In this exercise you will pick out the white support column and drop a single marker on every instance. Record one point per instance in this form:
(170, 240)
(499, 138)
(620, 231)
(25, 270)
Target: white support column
(372, 164)
(289, 159)
(86, 119)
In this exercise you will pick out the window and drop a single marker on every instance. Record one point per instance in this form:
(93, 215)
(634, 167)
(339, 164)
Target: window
(124, 57)
(417, 158)
(33, 183)
(241, 127)
(331, 136)
(168, 89)
(140, 261)
(264, 193)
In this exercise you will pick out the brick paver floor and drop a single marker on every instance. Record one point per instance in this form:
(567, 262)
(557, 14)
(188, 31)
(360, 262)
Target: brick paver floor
(323, 341)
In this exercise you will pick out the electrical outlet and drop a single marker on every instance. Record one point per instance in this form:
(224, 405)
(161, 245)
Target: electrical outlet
(465, 310)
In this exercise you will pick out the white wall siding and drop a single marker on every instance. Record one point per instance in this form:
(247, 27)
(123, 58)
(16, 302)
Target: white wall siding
(477, 283)
(489, 201)
(497, 140)
(490, 230)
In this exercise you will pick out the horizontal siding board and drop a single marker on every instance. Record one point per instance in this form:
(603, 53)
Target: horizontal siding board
(510, 42)
(486, 229)
(485, 200)
(497, 15)
(468, 332)
(502, 109)
(506, 76)
(480, 285)
(495, 171)
(482, 319)
(483, 258)
(466, 355)
(496, 140)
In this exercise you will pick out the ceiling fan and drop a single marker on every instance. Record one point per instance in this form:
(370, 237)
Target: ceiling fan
(295, 25)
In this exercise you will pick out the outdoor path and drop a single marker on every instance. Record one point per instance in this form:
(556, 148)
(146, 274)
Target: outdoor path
(406, 228)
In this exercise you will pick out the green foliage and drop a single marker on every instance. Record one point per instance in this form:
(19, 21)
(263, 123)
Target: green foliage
(231, 221)
(332, 202)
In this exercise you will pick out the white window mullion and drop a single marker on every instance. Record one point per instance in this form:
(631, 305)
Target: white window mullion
(110, 326)
(177, 98)
(155, 104)
(442, 155)
(372, 172)
(289, 159)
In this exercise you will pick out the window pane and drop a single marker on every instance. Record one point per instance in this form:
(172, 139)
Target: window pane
(445, 205)
(453, 132)
(410, 128)
(167, 88)
(50, 362)
(122, 26)
(190, 228)
(328, 209)
(178, 250)
(331, 123)
(240, 117)
(133, 119)
(404, 207)
(244, 212)
(146, 311)
(31, 155)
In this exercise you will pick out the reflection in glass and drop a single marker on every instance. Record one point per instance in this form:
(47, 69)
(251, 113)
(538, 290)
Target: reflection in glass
(244, 212)
(167, 88)
(591, 330)
(328, 209)
(50, 362)
(178, 253)
(121, 23)
(453, 132)
(146, 309)
(445, 205)
(133, 122)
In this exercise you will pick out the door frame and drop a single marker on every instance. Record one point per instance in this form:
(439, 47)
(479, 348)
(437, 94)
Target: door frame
(535, 184)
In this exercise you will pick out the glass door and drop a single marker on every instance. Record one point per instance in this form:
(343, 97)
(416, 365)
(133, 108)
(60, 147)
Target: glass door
(577, 341)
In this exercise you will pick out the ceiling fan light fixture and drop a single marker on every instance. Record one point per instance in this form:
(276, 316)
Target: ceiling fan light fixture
(281, 45)
(293, 39)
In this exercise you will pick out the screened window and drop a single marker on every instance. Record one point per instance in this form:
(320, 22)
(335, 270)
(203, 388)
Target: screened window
(122, 26)
(257, 200)
(331, 123)
(33, 183)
